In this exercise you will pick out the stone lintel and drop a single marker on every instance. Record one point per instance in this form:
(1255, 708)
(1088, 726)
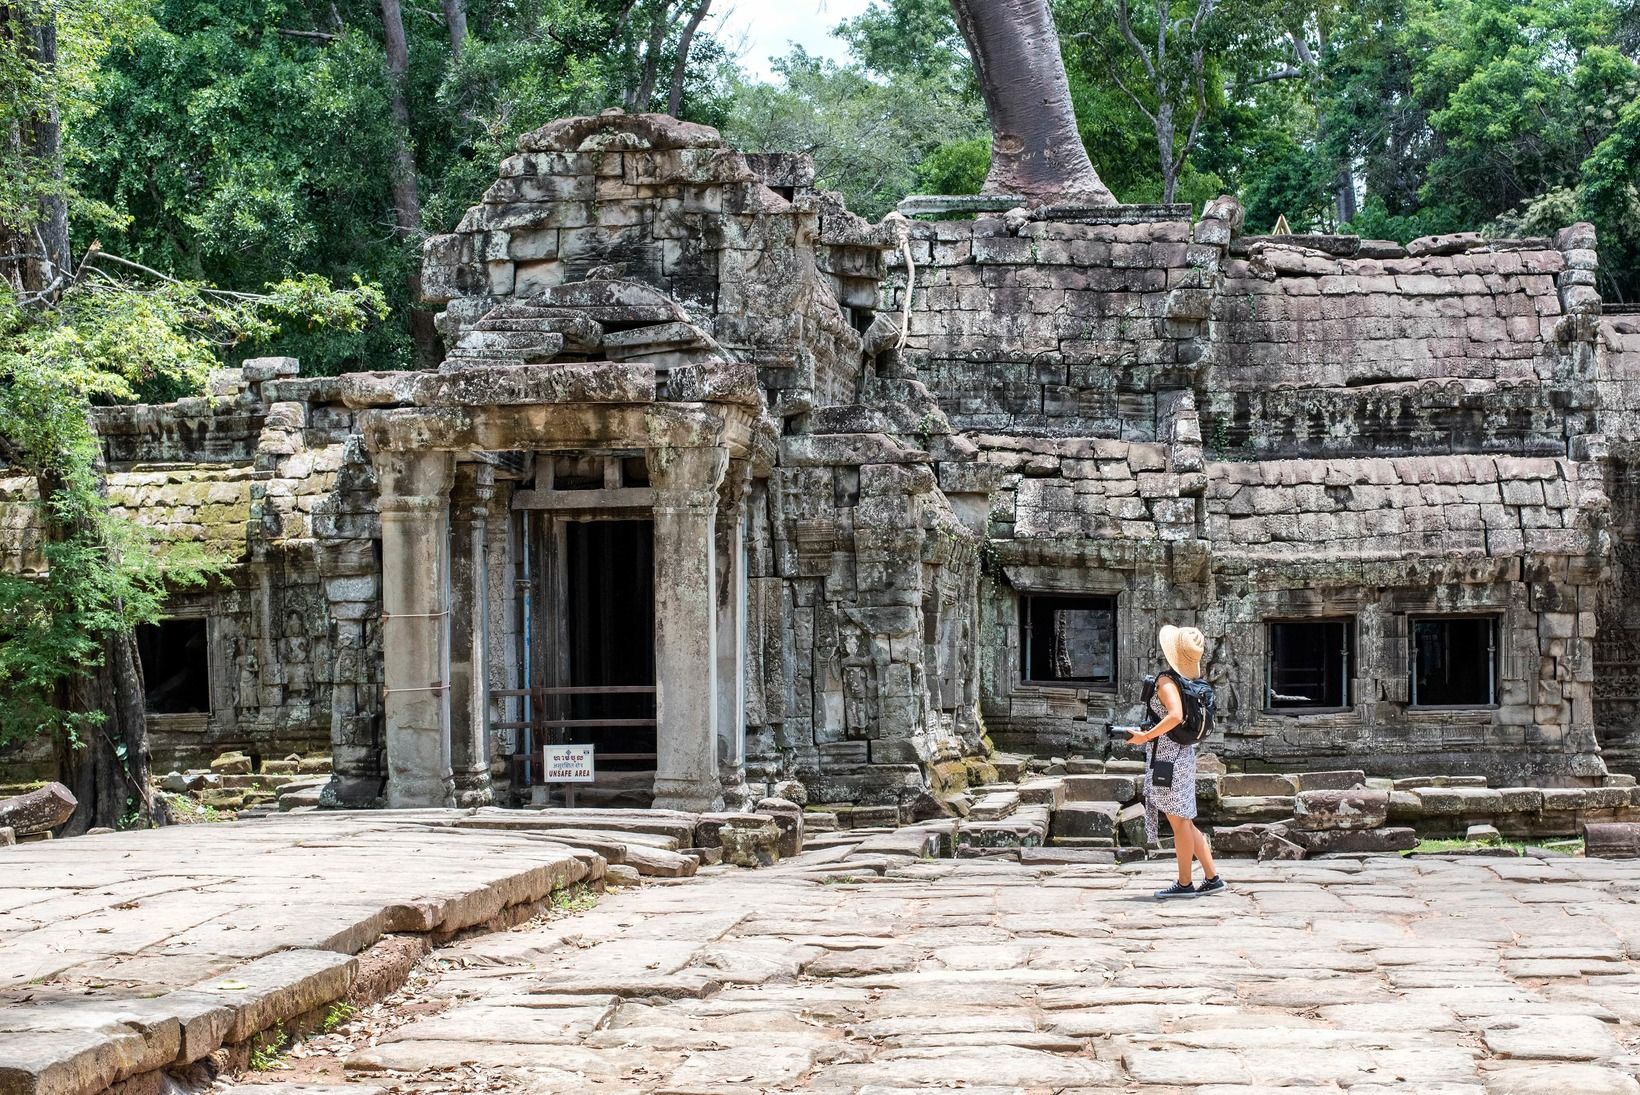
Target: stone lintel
(563, 427)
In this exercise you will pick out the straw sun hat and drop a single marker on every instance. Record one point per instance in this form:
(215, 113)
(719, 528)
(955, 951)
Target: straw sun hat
(1182, 647)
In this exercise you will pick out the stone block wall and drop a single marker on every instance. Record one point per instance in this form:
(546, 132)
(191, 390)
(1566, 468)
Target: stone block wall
(1226, 431)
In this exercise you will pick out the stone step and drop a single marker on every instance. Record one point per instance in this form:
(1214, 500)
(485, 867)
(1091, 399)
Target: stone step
(1025, 827)
(918, 843)
(1240, 809)
(1102, 788)
(1085, 820)
(995, 806)
(1049, 791)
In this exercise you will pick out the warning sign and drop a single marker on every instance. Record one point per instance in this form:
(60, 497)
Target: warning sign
(569, 764)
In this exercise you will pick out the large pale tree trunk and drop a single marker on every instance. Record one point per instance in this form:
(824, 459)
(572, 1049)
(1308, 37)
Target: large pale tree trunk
(1036, 150)
(406, 191)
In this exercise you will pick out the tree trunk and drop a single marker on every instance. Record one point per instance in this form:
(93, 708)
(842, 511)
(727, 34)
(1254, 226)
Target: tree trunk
(1036, 150)
(639, 95)
(109, 787)
(455, 17)
(43, 265)
(1164, 148)
(674, 101)
(406, 192)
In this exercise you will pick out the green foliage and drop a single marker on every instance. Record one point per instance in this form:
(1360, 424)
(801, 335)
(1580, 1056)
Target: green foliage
(868, 135)
(108, 340)
(955, 167)
(335, 1015)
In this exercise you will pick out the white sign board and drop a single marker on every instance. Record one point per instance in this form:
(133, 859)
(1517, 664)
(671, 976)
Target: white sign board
(569, 764)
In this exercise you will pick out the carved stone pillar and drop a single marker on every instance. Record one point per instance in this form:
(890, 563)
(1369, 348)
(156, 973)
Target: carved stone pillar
(685, 483)
(469, 634)
(731, 634)
(415, 517)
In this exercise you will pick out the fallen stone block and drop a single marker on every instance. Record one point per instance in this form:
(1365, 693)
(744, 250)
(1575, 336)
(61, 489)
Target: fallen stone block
(1047, 791)
(1062, 857)
(1277, 847)
(1236, 809)
(1395, 839)
(1130, 824)
(919, 843)
(1353, 809)
(232, 764)
(1245, 839)
(994, 806)
(1483, 834)
(1345, 780)
(872, 817)
(1256, 785)
(658, 862)
(39, 810)
(755, 845)
(1078, 820)
(1101, 788)
(788, 818)
(1612, 840)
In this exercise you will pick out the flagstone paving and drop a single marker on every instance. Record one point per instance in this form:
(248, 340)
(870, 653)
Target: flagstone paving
(1434, 976)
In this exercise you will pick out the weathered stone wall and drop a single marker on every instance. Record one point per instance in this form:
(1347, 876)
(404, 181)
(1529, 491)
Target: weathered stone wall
(1229, 431)
(1119, 402)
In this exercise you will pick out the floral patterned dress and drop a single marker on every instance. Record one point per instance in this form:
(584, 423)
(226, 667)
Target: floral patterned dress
(1179, 799)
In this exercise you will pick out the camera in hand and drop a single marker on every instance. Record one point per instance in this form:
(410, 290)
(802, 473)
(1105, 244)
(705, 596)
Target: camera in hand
(1123, 731)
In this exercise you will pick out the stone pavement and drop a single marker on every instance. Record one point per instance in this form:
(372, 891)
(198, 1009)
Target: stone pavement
(1439, 976)
(124, 953)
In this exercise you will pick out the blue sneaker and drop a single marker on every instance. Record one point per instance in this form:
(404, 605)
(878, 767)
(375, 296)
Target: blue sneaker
(1178, 889)
(1211, 886)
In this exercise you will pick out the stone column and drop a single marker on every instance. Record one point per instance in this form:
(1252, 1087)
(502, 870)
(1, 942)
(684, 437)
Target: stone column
(685, 483)
(469, 633)
(505, 653)
(731, 634)
(415, 516)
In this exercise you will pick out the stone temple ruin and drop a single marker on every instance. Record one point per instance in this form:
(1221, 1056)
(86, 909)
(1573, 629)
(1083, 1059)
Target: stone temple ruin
(742, 489)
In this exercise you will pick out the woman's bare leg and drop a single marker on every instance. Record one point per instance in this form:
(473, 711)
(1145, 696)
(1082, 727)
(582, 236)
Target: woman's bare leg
(1184, 845)
(1204, 852)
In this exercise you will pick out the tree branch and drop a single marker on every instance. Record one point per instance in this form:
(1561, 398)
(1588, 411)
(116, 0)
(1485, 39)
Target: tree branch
(308, 35)
(1125, 25)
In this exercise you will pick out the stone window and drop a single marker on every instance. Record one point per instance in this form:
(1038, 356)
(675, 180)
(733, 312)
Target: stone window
(1455, 661)
(176, 667)
(1067, 640)
(1308, 664)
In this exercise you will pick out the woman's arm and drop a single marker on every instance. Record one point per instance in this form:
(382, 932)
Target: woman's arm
(1173, 703)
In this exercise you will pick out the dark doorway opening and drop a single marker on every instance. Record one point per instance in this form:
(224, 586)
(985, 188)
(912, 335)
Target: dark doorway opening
(176, 667)
(608, 640)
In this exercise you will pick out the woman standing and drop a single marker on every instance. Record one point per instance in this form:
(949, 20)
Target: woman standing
(1170, 773)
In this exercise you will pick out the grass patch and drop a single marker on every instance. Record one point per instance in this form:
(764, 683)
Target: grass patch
(576, 899)
(265, 1056)
(1451, 845)
(337, 1014)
